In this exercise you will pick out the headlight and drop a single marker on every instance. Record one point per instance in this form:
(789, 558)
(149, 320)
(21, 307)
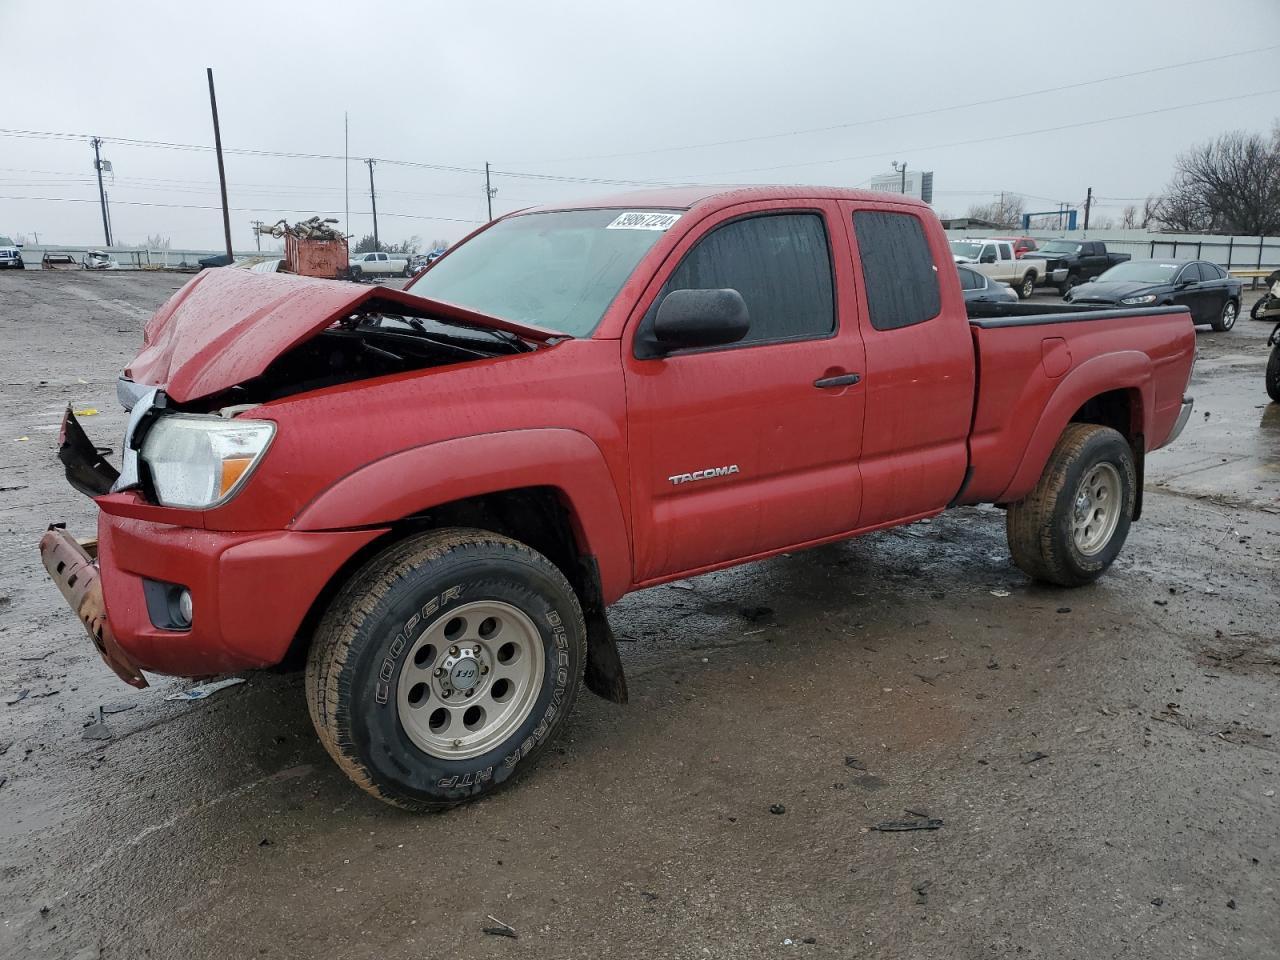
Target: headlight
(201, 461)
(1145, 298)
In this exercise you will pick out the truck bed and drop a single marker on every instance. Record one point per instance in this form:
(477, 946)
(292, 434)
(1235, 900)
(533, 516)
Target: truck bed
(1041, 366)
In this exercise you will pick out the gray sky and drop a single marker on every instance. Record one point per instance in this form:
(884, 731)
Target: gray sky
(599, 90)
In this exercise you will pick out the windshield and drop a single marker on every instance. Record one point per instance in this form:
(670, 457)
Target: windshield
(966, 248)
(1060, 246)
(558, 270)
(1145, 271)
(5, 242)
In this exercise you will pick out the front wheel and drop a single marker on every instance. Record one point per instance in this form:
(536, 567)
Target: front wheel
(1028, 286)
(1273, 374)
(1071, 527)
(1227, 318)
(445, 667)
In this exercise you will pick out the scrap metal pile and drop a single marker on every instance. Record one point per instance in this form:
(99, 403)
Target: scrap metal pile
(313, 229)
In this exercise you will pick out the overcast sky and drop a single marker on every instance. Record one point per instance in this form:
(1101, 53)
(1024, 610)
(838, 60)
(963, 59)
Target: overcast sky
(606, 90)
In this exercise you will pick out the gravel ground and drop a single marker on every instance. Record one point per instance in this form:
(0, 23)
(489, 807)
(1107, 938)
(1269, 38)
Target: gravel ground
(1104, 760)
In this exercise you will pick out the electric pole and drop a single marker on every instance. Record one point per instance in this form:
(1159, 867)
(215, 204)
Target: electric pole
(903, 188)
(489, 191)
(102, 193)
(257, 232)
(373, 199)
(222, 173)
(1088, 202)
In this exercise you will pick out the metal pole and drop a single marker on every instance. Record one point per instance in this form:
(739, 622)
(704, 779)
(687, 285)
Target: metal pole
(904, 178)
(1231, 244)
(1088, 202)
(106, 205)
(256, 234)
(373, 199)
(488, 190)
(222, 172)
(346, 174)
(102, 193)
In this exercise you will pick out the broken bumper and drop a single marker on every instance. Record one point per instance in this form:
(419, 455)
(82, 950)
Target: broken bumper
(76, 574)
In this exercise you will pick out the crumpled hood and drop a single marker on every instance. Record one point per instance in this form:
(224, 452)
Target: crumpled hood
(1113, 291)
(227, 325)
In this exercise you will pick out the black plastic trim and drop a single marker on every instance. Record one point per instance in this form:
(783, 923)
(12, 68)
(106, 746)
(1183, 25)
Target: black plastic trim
(1079, 316)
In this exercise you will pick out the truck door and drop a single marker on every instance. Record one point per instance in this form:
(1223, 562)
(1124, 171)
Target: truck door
(920, 363)
(989, 263)
(741, 449)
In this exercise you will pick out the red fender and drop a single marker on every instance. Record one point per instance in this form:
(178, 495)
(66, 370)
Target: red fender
(1125, 370)
(411, 481)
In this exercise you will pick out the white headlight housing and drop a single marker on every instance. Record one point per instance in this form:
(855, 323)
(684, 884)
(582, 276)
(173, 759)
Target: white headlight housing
(201, 461)
(1145, 298)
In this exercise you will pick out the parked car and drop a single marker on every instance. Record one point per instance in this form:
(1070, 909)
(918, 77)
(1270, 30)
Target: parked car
(1204, 288)
(980, 289)
(217, 260)
(10, 255)
(434, 494)
(994, 259)
(1021, 245)
(378, 265)
(1080, 260)
(98, 260)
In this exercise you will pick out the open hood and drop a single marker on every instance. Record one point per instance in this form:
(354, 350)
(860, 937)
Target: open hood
(227, 326)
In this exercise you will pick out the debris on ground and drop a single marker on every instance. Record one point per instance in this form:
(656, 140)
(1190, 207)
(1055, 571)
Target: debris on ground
(87, 412)
(777, 809)
(1000, 592)
(901, 826)
(205, 689)
(501, 929)
(1033, 756)
(97, 729)
(36, 659)
(921, 889)
(855, 763)
(17, 697)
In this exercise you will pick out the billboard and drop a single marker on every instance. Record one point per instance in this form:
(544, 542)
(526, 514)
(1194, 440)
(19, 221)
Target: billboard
(914, 183)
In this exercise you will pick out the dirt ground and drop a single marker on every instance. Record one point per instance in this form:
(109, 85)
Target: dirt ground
(1105, 760)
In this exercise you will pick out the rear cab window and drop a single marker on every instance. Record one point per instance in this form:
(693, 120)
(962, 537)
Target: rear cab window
(899, 275)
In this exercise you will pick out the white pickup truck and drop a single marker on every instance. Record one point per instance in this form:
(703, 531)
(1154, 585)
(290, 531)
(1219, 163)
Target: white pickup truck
(995, 260)
(377, 265)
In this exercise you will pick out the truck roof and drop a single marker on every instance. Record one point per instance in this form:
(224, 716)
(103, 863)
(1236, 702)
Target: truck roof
(715, 196)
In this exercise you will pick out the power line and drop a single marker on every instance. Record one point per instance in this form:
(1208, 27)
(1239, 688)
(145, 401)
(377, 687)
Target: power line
(194, 206)
(916, 113)
(991, 139)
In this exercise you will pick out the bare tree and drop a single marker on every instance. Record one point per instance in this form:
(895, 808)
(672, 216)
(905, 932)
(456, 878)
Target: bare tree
(157, 242)
(1228, 185)
(1005, 211)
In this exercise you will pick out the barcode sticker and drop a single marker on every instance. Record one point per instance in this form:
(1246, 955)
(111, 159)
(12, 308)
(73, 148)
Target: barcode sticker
(643, 220)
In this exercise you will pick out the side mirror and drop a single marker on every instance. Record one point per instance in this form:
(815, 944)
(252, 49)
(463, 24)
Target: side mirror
(988, 258)
(700, 318)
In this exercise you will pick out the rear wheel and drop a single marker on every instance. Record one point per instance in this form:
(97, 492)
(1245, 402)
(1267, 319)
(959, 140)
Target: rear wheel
(1028, 285)
(1261, 304)
(445, 667)
(1227, 318)
(356, 273)
(1273, 374)
(1071, 527)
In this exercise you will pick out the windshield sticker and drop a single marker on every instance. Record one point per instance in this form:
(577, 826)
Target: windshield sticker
(644, 220)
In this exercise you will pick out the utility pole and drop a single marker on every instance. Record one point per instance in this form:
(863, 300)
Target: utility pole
(489, 191)
(373, 199)
(903, 187)
(106, 200)
(346, 174)
(102, 193)
(257, 234)
(222, 173)
(1088, 202)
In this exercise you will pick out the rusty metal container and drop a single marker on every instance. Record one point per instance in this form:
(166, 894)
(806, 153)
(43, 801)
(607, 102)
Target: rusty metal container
(315, 258)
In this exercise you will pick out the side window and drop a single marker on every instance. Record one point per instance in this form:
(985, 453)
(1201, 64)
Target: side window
(898, 271)
(1211, 271)
(988, 253)
(971, 279)
(1190, 272)
(780, 263)
(1006, 251)
(370, 257)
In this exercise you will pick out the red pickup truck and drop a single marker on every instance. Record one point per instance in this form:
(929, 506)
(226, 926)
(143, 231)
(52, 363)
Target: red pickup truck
(433, 495)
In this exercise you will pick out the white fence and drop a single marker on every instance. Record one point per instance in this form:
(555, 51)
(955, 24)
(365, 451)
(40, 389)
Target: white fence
(1240, 253)
(133, 258)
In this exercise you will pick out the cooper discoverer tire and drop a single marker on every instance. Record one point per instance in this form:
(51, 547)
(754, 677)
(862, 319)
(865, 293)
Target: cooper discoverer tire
(433, 627)
(1071, 527)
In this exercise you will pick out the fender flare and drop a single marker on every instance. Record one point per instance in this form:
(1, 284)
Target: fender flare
(416, 479)
(1123, 370)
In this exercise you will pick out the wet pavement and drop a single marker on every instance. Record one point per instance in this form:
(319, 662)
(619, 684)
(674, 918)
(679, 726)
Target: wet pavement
(1104, 761)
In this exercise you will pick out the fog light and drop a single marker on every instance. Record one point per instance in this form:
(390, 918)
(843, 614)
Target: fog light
(184, 607)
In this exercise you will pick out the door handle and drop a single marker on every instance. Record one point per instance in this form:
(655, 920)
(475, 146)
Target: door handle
(844, 380)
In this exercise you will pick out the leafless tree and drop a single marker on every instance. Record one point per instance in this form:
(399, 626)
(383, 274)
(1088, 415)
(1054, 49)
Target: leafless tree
(1005, 210)
(157, 242)
(1228, 185)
